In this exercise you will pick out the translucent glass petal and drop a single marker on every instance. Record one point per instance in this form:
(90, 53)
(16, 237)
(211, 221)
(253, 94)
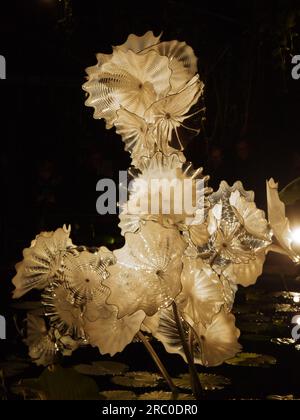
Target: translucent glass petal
(138, 43)
(278, 220)
(254, 219)
(130, 81)
(183, 62)
(161, 191)
(217, 342)
(136, 134)
(42, 261)
(60, 307)
(168, 334)
(147, 273)
(202, 290)
(84, 273)
(111, 335)
(247, 274)
(169, 113)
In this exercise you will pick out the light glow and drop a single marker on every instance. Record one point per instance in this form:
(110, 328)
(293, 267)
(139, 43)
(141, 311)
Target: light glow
(296, 236)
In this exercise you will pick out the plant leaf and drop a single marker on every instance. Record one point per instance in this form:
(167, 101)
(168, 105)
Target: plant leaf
(252, 359)
(291, 193)
(138, 380)
(63, 384)
(102, 368)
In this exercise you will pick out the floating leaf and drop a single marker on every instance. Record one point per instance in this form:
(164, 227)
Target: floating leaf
(285, 307)
(118, 395)
(138, 379)
(102, 368)
(162, 395)
(291, 193)
(283, 341)
(208, 382)
(252, 359)
(281, 397)
(286, 295)
(63, 384)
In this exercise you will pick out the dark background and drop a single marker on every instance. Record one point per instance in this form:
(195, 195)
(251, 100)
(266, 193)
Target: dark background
(53, 152)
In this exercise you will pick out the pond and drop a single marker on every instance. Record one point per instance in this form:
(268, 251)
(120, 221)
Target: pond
(266, 369)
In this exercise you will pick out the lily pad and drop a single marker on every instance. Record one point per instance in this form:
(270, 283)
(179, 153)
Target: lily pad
(138, 379)
(252, 359)
(162, 395)
(63, 384)
(297, 347)
(118, 395)
(286, 307)
(102, 368)
(281, 397)
(283, 341)
(209, 382)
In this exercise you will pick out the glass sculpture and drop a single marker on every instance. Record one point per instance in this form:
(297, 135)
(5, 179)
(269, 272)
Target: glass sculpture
(177, 275)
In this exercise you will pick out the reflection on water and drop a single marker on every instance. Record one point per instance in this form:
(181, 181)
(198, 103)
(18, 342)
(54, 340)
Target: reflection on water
(266, 369)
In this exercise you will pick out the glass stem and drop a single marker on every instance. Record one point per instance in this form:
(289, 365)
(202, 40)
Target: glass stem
(158, 362)
(195, 381)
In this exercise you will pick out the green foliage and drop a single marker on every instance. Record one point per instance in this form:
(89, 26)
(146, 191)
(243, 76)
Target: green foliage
(291, 193)
(58, 383)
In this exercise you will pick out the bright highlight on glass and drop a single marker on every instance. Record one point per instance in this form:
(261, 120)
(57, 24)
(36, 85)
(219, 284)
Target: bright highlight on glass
(296, 299)
(296, 236)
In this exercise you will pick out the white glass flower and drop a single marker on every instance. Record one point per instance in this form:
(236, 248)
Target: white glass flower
(182, 62)
(137, 135)
(216, 342)
(109, 333)
(164, 190)
(279, 222)
(137, 43)
(130, 81)
(63, 311)
(167, 333)
(148, 269)
(211, 344)
(170, 116)
(42, 262)
(239, 235)
(84, 271)
(202, 293)
(134, 43)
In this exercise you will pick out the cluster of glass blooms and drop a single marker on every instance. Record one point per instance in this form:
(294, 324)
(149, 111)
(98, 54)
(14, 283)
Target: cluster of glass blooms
(151, 93)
